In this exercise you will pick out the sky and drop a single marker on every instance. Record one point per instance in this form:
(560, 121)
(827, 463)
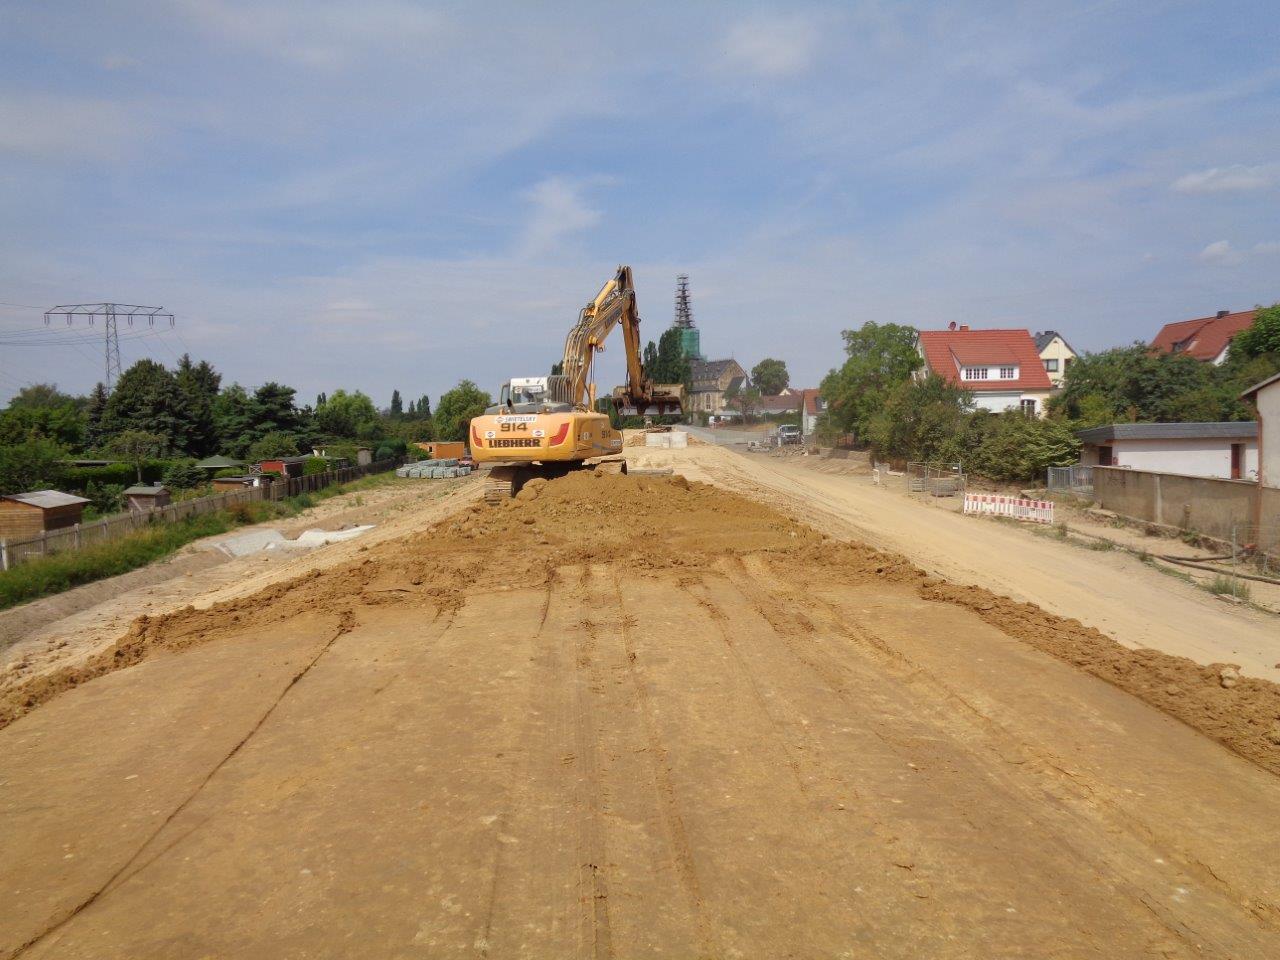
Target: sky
(395, 194)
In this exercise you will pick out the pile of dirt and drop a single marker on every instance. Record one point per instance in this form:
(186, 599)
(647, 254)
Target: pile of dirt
(659, 523)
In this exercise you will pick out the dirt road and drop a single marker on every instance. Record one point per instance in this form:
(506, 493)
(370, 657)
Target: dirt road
(1129, 601)
(630, 717)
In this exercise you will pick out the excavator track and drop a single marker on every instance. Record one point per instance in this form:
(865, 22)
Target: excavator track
(500, 485)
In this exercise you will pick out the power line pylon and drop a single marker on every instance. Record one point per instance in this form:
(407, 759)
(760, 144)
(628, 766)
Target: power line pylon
(110, 312)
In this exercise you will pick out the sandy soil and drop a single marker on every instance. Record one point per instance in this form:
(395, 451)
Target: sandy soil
(1124, 598)
(634, 716)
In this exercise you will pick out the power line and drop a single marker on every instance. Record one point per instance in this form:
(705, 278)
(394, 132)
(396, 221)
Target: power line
(111, 314)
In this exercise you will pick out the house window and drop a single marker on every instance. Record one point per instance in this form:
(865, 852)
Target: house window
(975, 373)
(1008, 373)
(1029, 408)
(1051, 366)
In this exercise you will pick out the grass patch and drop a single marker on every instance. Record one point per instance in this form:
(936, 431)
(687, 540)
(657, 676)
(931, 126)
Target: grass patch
(62, 571)
(1228, 587)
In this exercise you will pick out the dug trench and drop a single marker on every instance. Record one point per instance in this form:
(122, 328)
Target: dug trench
(624, 716)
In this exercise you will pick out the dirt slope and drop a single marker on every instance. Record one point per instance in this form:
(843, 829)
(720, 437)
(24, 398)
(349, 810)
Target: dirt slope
(630, 717)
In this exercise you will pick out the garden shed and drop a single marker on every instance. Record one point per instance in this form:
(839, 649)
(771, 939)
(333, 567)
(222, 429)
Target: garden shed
(29, 514)
(147, 497)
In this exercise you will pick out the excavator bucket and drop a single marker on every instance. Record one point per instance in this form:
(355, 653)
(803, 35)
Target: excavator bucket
(666, 399)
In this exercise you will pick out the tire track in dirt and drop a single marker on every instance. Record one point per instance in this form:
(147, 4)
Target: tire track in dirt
(1021, 774)
(662, 780)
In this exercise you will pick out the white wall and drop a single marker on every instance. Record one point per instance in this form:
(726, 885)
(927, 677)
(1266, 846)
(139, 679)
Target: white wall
(1269, 410)
(995, 402)
(1195, 458)
(1057, 349)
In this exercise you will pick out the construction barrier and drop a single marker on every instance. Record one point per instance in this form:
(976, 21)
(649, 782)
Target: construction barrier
(1037, 511)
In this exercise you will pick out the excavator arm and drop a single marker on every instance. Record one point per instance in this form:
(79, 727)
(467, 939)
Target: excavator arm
(614, 305)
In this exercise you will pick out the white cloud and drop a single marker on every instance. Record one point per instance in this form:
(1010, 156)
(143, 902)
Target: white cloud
(771, 46)
(1224, 179)
(558, 212)
(1220, 253)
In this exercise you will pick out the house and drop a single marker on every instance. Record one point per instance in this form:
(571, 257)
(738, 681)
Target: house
(1208, 338)
(1001, 368)
(30, 514)
(146, 497)
(1225, 450)
(1266, 397)
(711, 379)
(788, 401)
(811, 405)
(1055, 353)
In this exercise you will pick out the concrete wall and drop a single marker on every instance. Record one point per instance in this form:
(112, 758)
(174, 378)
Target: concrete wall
(1196, 458)
(1204, 504)
(1269, 433)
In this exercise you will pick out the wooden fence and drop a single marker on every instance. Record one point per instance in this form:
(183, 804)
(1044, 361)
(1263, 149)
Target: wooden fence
(14, 552)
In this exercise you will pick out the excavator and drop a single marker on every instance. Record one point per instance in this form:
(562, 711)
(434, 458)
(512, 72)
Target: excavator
(548, 426)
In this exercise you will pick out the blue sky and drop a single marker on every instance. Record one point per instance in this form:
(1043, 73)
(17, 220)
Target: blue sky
(400, 194)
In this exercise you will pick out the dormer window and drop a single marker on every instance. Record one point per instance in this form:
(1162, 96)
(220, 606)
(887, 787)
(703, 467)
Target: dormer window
(1008, 373)
(975, 373)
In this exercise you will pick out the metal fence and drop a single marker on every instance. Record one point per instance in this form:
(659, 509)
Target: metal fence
(944, 481)
(1077, 479)
(15, 551)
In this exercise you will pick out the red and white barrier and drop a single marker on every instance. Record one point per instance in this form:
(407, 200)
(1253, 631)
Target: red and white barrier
(1037, 511)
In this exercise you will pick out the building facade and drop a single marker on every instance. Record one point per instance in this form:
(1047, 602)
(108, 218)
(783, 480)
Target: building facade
(1266, 397)
(1056, 355)
(711, 379)
(1001, 368)
(1228, 451)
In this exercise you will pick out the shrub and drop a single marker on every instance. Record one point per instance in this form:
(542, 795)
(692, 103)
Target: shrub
(105, 498)
(314, 465)
(184, 475)
(229, 472)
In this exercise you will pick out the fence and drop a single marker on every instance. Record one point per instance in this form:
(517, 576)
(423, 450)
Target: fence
(1037, 511)
(14, 552)
(947, 481)
(1077, 479)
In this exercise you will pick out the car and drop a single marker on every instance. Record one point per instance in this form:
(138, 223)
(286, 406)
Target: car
(789, 433)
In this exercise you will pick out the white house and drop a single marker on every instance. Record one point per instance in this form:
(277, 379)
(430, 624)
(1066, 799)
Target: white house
(1225, 450)
(1266, 397)
(1001, 368)
(1056, 355)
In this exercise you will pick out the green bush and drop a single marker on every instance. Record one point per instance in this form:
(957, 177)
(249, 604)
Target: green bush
(104, 498)
(314, 465)
(229, 472)
(77, 479)
(184, 475)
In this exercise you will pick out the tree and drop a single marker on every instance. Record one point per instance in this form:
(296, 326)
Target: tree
(33, 464)
(233, 417)
(921, 420)
(746, 399)
(146, 399)
(666, 363)
(397, 406)
(136, 447)
(43, 396)
(457, 408)
(1262, 337)
(346, 415)
(184, 475)
(272, 446)
(94, 411)
(273, 410)
(1136, 384)
(880, 357)
(59, 420)
(770, 376)
(198, 383)
(424, 408)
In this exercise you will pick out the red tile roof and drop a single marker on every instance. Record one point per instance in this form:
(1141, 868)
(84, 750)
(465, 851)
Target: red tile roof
(811, 403)
(1203, 338)
(945, 351)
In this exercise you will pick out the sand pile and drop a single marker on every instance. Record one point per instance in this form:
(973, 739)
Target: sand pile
(648, 523)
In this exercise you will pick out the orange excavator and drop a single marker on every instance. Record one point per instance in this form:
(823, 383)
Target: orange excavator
(548, 426)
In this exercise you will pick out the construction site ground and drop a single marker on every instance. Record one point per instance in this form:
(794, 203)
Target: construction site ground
(752, 709)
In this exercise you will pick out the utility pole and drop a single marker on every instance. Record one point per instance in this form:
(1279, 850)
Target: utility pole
(110, 312)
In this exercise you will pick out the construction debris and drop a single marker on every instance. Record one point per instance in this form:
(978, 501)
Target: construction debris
(433, 470)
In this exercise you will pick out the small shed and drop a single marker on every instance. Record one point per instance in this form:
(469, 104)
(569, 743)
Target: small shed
(29, 514)
(147, 497)
(443, 449)
(1228, 451)
(364, 456)
(287, 467)
(232, 483)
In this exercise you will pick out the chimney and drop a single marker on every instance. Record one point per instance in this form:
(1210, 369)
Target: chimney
(951, 325)
(1222, 313)
(964, 327)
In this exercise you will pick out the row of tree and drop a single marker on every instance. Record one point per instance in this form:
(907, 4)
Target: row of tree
(186, 412)
(876, 397)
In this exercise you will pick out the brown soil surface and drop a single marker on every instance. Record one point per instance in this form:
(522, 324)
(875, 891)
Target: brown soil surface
(632, 716)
